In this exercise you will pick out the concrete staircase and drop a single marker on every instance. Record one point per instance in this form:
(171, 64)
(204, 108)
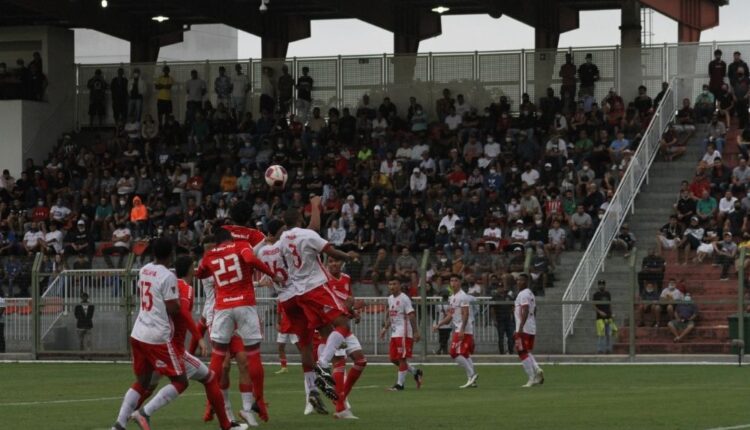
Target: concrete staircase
(549, 311)
(653, 205)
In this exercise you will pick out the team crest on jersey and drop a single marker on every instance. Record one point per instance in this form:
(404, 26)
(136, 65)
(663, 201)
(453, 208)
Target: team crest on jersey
(160, 364)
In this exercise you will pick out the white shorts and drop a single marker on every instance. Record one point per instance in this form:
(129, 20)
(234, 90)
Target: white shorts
(243, 318)
(195, 369)
(287, 338)
(667, 243)
(706, 248)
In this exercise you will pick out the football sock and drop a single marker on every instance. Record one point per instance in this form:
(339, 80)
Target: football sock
(166, 395)
(216, 399)
(339, 369)
(309, 382)
(401, 377)
(129, 403)
(528, 367)
(533, 361)
(412, 369)
(354, 373)
(335, 339)
(466, 364)
(227, 404)
(246, 391)
(217, 360)
(255, 369)
(283, 362)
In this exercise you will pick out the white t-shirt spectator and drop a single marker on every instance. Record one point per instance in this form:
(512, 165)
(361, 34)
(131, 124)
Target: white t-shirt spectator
(675, 294)
(418, 182)
(496, 233)
(403, 153)
(709, 158)
(453, 121)
(462, 108)
(530, 178)
(239, 84)
(727, 206)
(427, 165)
(519, 234)
(133, 129)
(59, 213)
(336, 235)
(31, 238)
(492, 149)
(55, 240)
(389, 168)
(556, 236)
(125, 186)
(119, 236)
(196, 88)
(349, 211)
(449, 222)
(558, 144)
(419, 149)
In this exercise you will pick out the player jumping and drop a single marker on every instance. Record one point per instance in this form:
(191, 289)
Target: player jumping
(462, 343)
(525, 310)
(402, 321)
(321, 307)
(195, 369)
(232, 264)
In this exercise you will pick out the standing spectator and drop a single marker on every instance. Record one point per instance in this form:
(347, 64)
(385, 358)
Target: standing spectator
(605, 324)
(196, 90)
(97, 92)
(735, 65)
(740, 87)
(568, 75)
(286, 90)
(725, 252)
(502, 317)
(118, 88)
(442, 310)
(240, 88)
(84, 313)
(223, 88)
(556, 239)
(304, 94)
(136, 91)
(588, 74)
(121, 245)
(684, 319)
(164, 96)
(268, 90)
(717, 71)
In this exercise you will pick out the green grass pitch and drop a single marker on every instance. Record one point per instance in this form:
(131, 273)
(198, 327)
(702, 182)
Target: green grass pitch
(87, 397)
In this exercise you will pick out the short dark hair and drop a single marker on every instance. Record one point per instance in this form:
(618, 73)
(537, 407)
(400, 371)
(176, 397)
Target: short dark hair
(455, 276)
(718, 52)
(291, 217)
(222, 235)
(182, 265)
(240, 212)
(162, 248)
(274, 226)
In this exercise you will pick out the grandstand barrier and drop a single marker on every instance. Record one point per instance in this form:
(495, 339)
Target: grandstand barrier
(635, 176)
(483, 77)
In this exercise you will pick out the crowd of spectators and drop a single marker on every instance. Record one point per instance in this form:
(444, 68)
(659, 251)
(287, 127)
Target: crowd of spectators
(491, 193)
(23, 81)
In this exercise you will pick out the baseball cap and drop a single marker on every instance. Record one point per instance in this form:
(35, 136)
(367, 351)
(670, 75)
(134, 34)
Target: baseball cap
(81, 222)
(350, 197)
(519, 222)
(416, 170)
(547, 165)
(377, 208)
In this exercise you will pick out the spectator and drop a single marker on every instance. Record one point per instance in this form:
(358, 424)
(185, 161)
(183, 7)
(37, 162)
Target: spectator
(118, 88)
(136, 91)
(649, 305)
(605, 324)
(652, 271)
(705, 104)
(53, 240)
(97, 92)
(686, 116)
(581, 227)
(588, 74)
(568, 75)
(304, 94)
(624, 240)
(78, 242)
(442, 310)
(725, 252)
(669, 296)
(84, 313)
(196, 90)
(717, 71)
(163, 86)
(501, 312)
(684, 317)
(121, 245)
(139, 218)
(669, 234)
(285, 90)
(33, 240)
(405, 265)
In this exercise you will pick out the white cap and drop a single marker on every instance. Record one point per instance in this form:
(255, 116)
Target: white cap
(350, 197)
(416, 170)
(377, 208)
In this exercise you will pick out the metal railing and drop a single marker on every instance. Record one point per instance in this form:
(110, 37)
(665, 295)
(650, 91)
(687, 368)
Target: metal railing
(593, 258)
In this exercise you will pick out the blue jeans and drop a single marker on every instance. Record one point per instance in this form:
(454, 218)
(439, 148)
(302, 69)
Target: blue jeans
(135, 108)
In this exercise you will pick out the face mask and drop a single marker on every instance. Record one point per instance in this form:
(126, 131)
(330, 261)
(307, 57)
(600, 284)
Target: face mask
(443, 260)
(40, 203)
(490, 140)
(122, 202)
(244, 173)
(514, 169)
(671, 286)
(538, 222)
(493, 171)
(585, 167)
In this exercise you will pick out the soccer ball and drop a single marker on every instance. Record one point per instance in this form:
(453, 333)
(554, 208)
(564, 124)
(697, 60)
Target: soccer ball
(276, 176)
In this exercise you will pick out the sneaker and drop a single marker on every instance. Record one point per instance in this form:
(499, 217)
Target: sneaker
(261, 408)
(249, 418)
(281, 371)
(528, 384)
(316, 403)
(117, 426)
(324, 373)
(396, 387)
(346, 414)
(418, 376)
(141, 419)
(328, 389)
(471, 382)
(724, 279)
(539, 377)
(308, 409)
(239, 426)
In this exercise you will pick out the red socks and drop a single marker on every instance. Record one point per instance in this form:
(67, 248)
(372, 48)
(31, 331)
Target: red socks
(217, 360)
(255, 369)
(354, 373)
(283, 362)
(339, 369)
(216, 399)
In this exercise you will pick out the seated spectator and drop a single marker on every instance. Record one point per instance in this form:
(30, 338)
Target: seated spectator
(705, 208)
(649, 304)
(717, 134)
(539, 272)
(669, 235)
(581, 228)
(624, 240)
(706, 248)
(53, 240)
(33, 240)
(725, 252)
(59, 212)
(705, 104)
(691, 239)
(652, 269)
(670, 145)
(669, 295)
(121, 245)
(684, 317)
(78, 242)
(139, 218)
(685, 120)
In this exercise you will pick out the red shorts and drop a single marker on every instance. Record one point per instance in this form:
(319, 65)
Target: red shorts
(524, 343)
(462, 347)
(163, 359)
(401, 347)
(235, 346)
(298, 324)
(321, 306)
(317, 340)
(285, 326)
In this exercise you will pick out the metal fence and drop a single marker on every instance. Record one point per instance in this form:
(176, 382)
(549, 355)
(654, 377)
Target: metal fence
(481, 76)
(622, 201)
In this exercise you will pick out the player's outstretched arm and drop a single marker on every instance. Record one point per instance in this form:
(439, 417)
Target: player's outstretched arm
(314, 214)
(340, 255)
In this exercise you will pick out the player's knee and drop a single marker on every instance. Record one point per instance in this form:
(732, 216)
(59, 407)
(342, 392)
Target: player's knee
(180, 384)
(138, 387)
(360, 362)
(523, 355)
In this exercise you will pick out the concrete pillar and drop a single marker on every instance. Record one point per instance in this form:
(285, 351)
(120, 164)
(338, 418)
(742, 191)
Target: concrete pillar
(545, 51)
(144, 49)
(631, 73)
(405, 48)
(687, 57)
(274, 48)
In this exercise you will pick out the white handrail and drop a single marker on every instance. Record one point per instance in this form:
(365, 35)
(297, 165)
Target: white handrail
(636, 173)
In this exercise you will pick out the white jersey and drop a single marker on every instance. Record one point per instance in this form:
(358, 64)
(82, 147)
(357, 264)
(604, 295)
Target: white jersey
(271, 255)
(157, 285)
(459, 301)
(301, 248)
(210, 300)
(399, 308)
(526, 298)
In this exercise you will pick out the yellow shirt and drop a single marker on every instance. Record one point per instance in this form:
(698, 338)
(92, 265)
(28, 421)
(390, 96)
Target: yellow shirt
(164, 93)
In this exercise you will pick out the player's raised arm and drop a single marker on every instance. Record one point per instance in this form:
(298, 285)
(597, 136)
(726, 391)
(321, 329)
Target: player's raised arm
(314, 213)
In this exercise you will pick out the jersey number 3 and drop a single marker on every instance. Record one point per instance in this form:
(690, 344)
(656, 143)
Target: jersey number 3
(147, 299)
(295, 255)
(229, 265)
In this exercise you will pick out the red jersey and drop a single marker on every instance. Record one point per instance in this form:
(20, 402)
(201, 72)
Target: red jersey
(342, 286)
(40, 213)
(247, 234)
(232, 265)
(183, 325)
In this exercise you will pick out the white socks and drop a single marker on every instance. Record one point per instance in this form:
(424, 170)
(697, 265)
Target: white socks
(467, 364)
(162, 398)
(247, 401)
(401, 377)
(128, 406)
(228, 404)
(335, 339)
(528, 367)
(309, 382)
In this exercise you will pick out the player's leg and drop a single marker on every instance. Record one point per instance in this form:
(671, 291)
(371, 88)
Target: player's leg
(143, 370)
(198, 371)
(248, 328)
(354, 350)
(395, 354)
(527, 359)
(245, 385)
(339, 376)
(172, 366)
(202, 327)
(281, 340)
(462, 358)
